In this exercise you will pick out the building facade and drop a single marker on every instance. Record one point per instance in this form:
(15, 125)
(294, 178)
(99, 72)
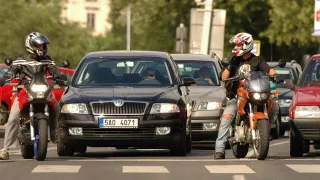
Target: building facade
(91, 14)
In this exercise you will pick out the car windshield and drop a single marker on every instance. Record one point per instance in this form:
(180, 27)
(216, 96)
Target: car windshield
(117, 71)
(284, 73)
(310, 75)
(3, 70)
(204, 72)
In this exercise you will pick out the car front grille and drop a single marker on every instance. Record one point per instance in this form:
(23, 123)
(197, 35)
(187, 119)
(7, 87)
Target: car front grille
(109, 108)
(196, 126)
(141, 133)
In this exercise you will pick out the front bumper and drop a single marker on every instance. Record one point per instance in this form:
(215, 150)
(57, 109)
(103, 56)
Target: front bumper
(204, 134)
(308, 128)
(142, 137)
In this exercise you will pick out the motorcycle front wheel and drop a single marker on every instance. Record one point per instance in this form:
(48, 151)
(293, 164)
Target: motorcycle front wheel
(261, 143)
(41, 141)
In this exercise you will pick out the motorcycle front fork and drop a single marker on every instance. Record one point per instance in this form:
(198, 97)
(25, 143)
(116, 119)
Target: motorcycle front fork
(252, 110)
(31, 114)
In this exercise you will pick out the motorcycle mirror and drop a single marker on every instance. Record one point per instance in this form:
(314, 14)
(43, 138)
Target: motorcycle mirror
(66, 63)
(288, 83)
(281, 63)
(8, 61)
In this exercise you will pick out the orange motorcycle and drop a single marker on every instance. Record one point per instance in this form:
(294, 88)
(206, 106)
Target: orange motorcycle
(251, 124)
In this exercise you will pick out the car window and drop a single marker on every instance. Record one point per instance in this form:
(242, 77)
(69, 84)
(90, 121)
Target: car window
(3, 70)
(204, 72)
(310, 75)
(286, 73)
(142, 71)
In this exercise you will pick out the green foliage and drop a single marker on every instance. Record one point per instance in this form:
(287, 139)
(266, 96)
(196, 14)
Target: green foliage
(19, 18)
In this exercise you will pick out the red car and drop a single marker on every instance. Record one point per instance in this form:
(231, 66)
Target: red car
(6, 93)
(304, 111)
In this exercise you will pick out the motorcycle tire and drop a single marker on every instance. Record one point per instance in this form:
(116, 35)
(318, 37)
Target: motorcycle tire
(240, 151)
(27, 151)
(42, 129)
(261, 147)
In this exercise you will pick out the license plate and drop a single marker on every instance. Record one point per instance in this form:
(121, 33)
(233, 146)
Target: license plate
(118, 123)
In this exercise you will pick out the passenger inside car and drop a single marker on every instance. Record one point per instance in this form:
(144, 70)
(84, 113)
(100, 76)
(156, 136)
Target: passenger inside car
(204, 73)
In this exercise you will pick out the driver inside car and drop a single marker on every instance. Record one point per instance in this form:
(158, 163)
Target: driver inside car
(205, 74)
(241, 54)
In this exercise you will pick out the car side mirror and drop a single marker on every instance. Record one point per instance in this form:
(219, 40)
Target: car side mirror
(66, 63)
(188, 81)
(288, 83)
(8, 61)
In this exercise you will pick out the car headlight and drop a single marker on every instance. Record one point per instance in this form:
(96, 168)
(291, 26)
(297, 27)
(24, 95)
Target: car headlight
(74, 108)
(285, 102)
(210, 105)
(307, 112)
(164, 108)
(39, 87)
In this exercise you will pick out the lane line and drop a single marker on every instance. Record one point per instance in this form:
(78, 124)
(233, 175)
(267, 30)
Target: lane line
(229, 169)
(144, 169)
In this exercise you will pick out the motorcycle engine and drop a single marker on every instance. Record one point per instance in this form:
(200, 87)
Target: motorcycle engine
(240, 134)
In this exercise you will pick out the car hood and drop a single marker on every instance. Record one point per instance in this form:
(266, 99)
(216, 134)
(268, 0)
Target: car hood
(308, 96)
(207, 93)
(285, 93)
(169, 94)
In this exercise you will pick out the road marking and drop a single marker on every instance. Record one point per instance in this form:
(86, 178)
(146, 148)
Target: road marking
(18, 152)
(301, 159)
(144, 169)
(251, 153)
(304, 168)
(160, 160)
(56, 169)
(239, 177)
(230, 169)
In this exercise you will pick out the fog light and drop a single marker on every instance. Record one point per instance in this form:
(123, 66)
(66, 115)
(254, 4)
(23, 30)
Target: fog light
(163, 130)
(285, 119)
(209, 126)
(75, 131)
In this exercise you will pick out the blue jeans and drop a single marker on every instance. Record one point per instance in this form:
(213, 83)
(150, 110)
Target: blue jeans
(225, 124)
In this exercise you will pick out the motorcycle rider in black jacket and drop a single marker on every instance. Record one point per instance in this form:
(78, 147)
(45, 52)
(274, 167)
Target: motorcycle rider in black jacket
(36, 46)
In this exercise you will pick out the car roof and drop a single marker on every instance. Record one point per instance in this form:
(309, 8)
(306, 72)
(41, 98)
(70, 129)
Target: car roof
(127, 53)
(191, 57)
(315, 56)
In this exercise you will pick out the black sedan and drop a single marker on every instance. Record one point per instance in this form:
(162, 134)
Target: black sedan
(126, 99)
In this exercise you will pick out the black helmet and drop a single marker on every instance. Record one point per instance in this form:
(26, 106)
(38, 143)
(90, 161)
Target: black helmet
(36, 43)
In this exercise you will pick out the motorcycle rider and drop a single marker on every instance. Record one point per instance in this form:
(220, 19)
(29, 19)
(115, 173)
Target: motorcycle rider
(241, 54)
(36, 46)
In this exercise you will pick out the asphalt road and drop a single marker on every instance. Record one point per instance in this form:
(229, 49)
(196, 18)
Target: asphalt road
(110, 163)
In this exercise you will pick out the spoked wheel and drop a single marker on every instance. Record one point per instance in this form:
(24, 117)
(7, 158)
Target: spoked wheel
(261, 143)
(41, 140)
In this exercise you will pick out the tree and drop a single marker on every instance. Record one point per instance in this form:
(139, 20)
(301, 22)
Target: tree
(19, 18)
(153, 23)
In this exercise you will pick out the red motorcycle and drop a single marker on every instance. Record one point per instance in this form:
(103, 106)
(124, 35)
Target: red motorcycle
(36, 103)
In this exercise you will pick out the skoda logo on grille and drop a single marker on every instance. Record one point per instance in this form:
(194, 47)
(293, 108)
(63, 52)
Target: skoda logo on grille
(118, 103)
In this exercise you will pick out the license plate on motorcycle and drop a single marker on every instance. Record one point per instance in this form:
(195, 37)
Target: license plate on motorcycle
(118, 123)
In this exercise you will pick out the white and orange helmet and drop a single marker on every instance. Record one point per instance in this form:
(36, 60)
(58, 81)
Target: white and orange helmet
(242, 38)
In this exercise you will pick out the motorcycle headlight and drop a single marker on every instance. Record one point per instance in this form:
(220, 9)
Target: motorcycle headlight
(307, 112)
(284, 102)
(164, 108)
(210, 106)
(260, 96)
(74, 108)
(39, 88)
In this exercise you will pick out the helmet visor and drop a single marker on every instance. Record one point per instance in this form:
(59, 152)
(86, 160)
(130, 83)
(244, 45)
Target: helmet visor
(39, 42)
